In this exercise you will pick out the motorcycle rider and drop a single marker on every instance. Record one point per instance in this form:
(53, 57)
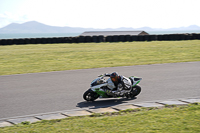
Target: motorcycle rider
(120, 83)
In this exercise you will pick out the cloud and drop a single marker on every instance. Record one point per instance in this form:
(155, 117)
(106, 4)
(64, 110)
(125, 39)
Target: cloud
(8, 18)
(103, 13)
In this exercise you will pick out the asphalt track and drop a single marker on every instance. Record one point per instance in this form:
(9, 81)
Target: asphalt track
(27, 94)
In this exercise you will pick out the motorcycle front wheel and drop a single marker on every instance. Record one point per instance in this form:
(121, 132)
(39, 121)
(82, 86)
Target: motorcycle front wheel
(90, 95)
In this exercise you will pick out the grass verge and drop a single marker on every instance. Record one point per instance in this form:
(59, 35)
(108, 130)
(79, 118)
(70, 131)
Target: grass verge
(19, 59)
(170, 119)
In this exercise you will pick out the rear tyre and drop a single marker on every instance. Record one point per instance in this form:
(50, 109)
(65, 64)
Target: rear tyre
(135, 91)
(89, 95)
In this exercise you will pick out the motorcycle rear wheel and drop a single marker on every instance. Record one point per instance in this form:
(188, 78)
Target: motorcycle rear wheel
(90, 95)
(135, 91)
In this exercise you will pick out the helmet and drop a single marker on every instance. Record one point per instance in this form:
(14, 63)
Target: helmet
(114, 77)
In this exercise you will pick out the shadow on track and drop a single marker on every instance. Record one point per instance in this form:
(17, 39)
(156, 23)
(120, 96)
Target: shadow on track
(103, 103)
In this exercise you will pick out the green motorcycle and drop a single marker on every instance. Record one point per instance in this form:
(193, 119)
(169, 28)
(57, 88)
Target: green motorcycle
(100, 88)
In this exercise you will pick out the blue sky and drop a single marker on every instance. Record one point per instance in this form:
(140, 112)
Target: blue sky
(102, 13)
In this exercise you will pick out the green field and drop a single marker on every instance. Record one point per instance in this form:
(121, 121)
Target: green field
(19, 59)
(182, 119)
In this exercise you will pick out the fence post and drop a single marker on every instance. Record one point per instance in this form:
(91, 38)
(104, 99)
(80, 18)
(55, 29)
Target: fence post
(108, 38)
(27, 41)
(101, 39)
(134, 38)
(141, 38)
(87, 38)
(153, 37)
(81, 39)
(147, 38)
(122, 38)
(127, 38)
(94, 39)
(115, 38)
(3, 42)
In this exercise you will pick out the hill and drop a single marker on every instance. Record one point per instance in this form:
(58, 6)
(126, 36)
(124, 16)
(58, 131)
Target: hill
(36, 27)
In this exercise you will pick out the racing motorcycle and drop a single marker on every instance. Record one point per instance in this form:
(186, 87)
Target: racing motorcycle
(100, 88)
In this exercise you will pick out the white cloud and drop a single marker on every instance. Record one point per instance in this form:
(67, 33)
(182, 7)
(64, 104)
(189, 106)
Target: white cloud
(7, 18)
(106, 13)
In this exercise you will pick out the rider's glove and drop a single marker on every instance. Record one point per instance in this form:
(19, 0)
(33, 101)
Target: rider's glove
(100, 75)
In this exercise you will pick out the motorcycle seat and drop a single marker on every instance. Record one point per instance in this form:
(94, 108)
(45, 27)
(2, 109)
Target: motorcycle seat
(135, 79)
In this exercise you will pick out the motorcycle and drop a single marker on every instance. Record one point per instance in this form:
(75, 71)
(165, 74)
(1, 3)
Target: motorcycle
(100, 88)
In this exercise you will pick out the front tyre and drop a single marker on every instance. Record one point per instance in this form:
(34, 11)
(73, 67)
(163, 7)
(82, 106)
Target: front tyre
(90, 95)
(135, 91)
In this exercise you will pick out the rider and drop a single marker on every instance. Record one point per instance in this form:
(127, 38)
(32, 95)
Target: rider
(120, 82)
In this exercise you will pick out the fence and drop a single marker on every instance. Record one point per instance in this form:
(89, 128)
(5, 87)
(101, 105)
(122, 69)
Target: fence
(96, 39)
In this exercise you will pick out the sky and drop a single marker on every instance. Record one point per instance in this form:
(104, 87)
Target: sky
(102, 14)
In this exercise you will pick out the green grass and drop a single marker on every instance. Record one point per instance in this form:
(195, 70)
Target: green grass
(179, 119)
(19, 59)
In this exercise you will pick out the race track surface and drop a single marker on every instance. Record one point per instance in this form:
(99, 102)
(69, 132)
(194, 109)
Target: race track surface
(27, 94)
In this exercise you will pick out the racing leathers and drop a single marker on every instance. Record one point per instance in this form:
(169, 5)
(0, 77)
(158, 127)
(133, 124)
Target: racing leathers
(117, 88)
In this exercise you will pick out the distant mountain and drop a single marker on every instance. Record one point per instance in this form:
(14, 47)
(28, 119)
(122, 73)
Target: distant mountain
(191, 27)
(36, 27)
